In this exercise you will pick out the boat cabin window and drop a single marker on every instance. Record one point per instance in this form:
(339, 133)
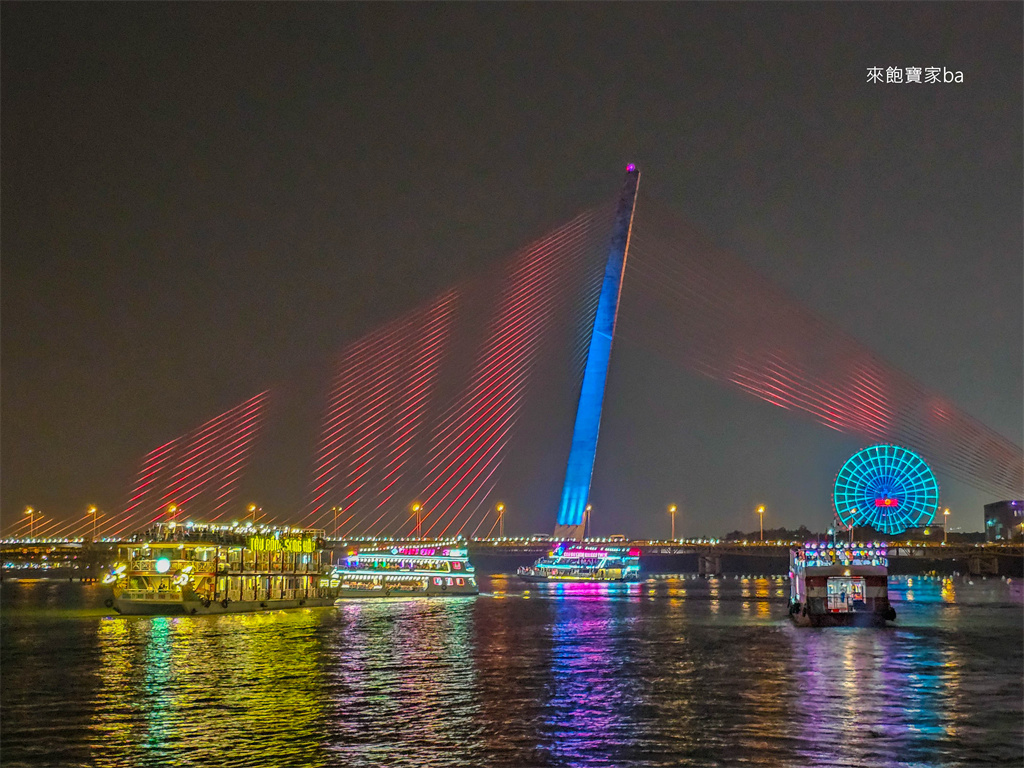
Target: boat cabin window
(845, 593)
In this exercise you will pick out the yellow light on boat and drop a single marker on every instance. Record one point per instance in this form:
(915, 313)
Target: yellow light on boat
(846, 572)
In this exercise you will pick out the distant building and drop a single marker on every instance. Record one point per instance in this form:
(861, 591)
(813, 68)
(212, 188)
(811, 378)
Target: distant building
(1003, 520)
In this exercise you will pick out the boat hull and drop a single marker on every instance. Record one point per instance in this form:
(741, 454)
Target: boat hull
(574, 580)
(346, 593)
(134, 607)
(803, 618)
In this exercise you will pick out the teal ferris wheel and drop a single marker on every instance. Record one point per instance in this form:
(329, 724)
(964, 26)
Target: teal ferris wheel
(887, 487)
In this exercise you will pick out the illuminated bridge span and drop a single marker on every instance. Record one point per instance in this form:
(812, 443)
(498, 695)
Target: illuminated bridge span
(90, 560)
(428, 407)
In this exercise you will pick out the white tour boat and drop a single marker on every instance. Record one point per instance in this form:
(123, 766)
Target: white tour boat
(426, 570)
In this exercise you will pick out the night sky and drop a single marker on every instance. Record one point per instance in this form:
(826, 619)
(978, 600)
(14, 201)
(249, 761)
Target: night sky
(200, 201)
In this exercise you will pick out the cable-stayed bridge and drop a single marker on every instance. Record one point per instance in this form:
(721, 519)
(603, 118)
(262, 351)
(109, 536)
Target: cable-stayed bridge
(431, 408)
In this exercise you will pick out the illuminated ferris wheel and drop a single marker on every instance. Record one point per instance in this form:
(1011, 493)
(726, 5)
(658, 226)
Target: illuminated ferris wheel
(887, 487)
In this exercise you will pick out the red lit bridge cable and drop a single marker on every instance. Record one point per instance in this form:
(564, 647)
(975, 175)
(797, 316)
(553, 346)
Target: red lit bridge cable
(230, 451)
(474, 436)
(171, 469)
(347, 402)
(198, 461)
(152, 465)
(705, 309)
(421, 367)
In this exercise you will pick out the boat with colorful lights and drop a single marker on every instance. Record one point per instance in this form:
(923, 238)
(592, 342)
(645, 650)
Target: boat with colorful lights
(574, 561)
(840, 584)
(201, 568)
(423, 570)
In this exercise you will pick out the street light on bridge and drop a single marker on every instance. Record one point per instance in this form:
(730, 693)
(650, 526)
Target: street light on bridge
(945, 524)
(760, 512)
(416, 509)
(172, 511)
(94, 512)
(500, 508)
(672, 514)
(31, 520)
(586, 519)
(255, 512)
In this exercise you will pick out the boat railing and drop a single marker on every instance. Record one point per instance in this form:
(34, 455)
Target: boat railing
(253, 595)
(442, 566)
(198, 566)
(151, 594)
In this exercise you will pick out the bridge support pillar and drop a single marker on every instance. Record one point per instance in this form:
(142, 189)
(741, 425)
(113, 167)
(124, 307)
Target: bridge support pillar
(709, 564)
(983, 565)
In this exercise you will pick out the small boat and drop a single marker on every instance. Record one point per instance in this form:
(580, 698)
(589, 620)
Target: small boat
(199, 568)
(440, 569)
(571, 561)
(840, 584)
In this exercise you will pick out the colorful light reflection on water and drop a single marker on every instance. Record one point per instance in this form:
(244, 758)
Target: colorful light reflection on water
(673, 671)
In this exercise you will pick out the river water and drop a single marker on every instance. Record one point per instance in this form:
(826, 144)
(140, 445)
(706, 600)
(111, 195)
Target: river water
(677, 671)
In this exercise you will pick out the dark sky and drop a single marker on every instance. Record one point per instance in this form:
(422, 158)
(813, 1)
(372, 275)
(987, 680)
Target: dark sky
(200, 200)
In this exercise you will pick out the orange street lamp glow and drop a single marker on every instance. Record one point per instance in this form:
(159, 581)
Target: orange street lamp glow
(93, 511)
(416, 509)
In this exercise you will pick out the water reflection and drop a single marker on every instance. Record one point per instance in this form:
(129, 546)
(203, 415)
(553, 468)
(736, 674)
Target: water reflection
(713, 591)
(876, 695)
(401, 681)
(948, 591)
(677, 671)
(194, 685)
(591, 700)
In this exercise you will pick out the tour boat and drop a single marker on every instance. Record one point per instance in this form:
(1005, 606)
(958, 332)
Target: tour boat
(198, 568)
(572, 561)
(428, 570)
(840, 584)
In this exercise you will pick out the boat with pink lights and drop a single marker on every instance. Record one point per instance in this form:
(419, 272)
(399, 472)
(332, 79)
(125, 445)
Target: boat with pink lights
(573, 561)
(428, 570)
(840, 584)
